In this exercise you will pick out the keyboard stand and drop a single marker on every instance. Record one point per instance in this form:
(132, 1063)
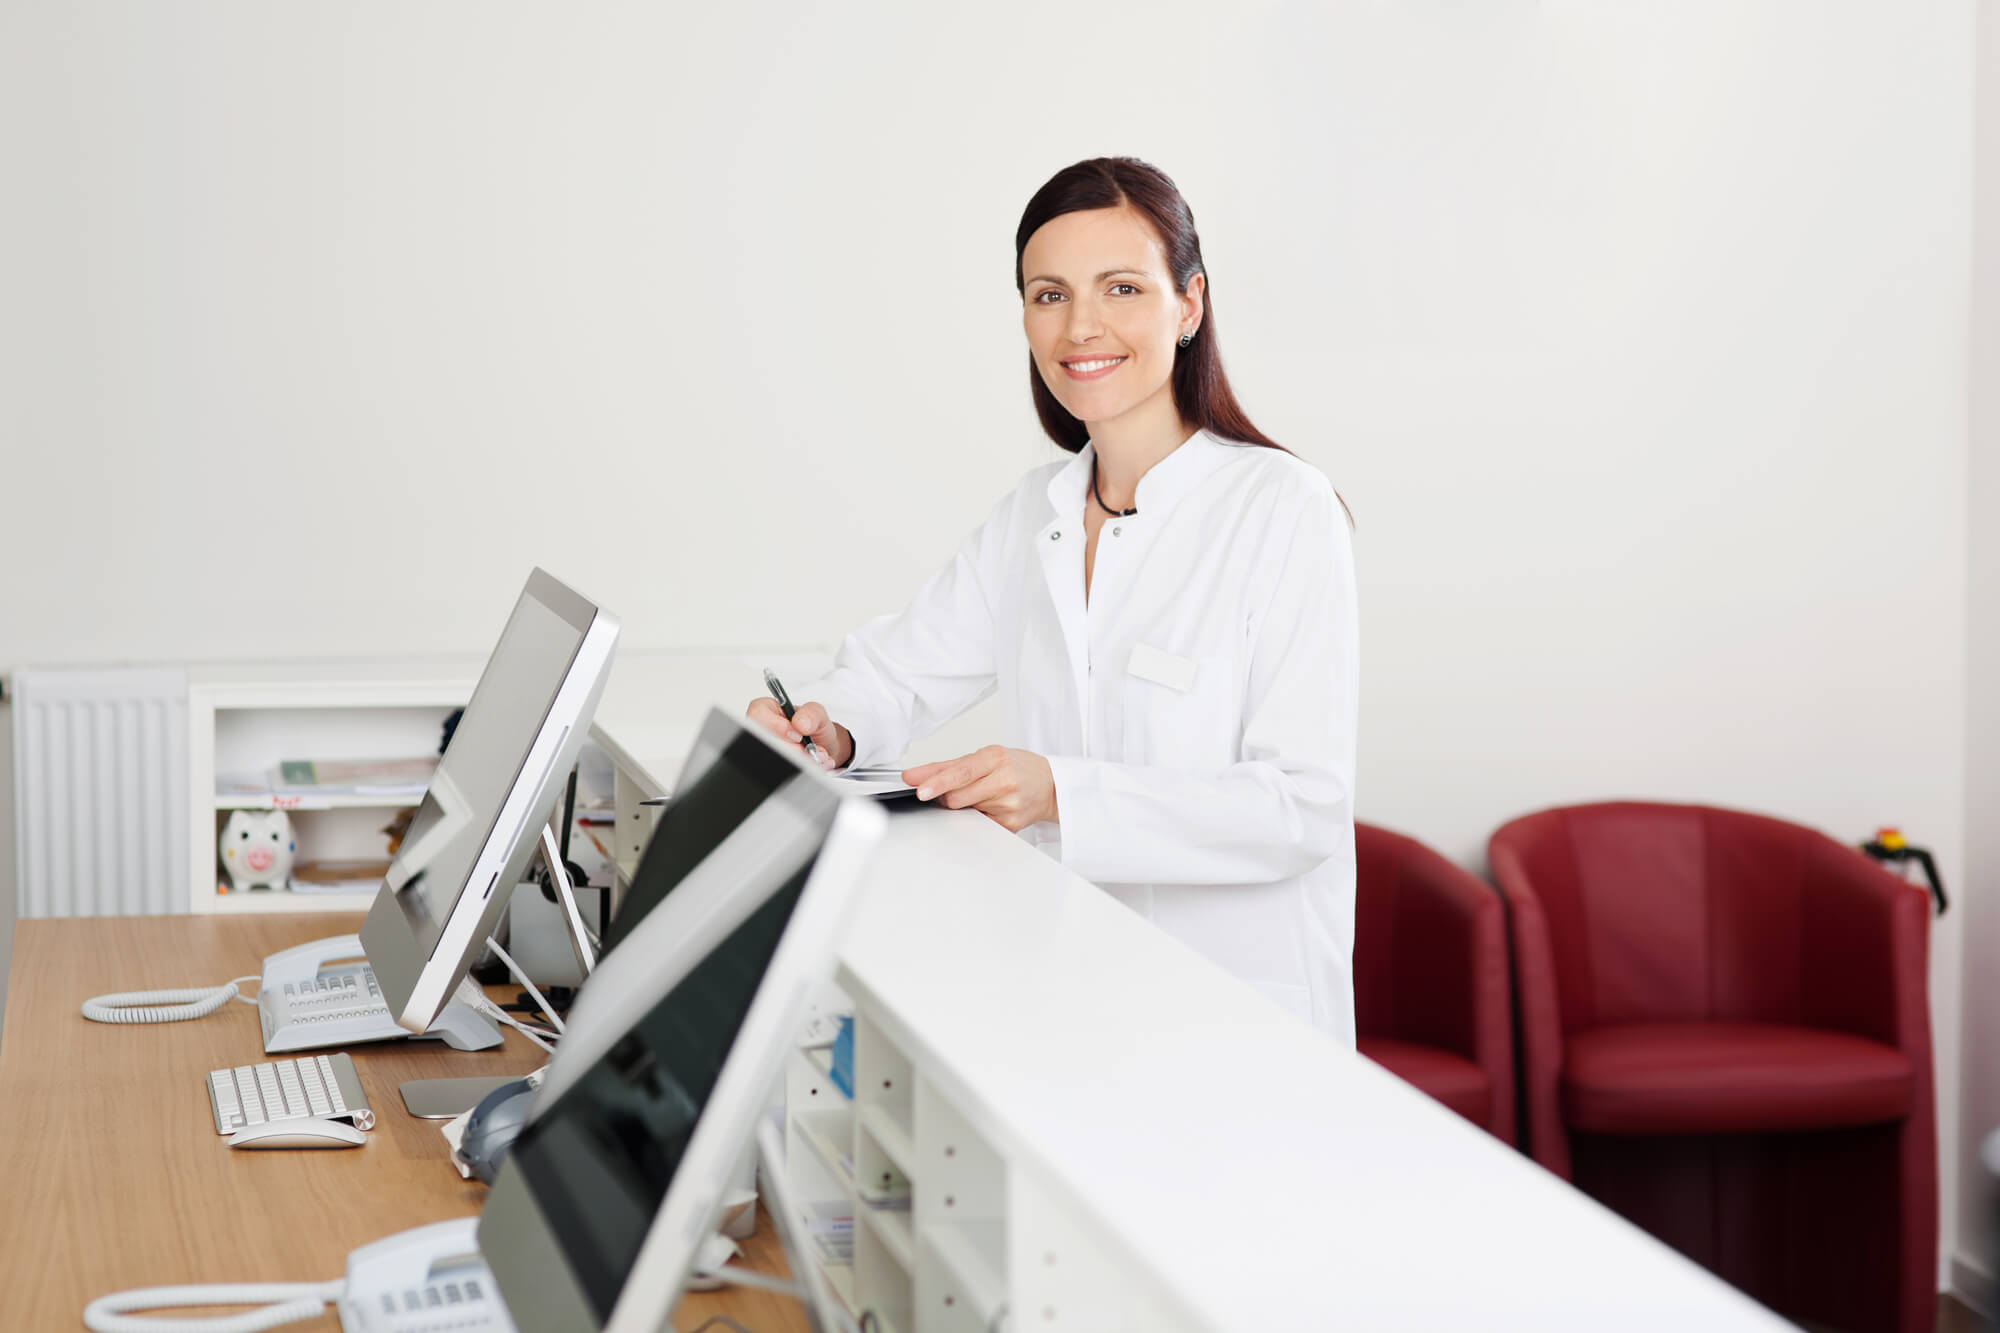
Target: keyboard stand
(448, 1098)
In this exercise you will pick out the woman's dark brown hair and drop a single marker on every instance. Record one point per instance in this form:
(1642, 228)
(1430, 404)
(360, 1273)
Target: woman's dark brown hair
(1201, 389)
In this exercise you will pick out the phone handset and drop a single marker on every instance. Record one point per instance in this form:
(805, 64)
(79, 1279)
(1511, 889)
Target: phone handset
(302, 962)
(396, 1284)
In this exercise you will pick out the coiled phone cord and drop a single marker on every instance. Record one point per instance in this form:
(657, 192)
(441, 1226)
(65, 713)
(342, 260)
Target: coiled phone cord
(163, 1006)
(289, 1302)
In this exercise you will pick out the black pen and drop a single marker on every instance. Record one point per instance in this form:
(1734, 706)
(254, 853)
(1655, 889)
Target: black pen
(777, 689)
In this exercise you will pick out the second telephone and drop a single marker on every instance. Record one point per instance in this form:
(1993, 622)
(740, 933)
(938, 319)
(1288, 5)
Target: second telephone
(325, 994)
(312, 995)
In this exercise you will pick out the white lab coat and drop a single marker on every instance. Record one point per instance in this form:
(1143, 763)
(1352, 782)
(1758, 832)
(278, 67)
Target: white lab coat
(1199, 713)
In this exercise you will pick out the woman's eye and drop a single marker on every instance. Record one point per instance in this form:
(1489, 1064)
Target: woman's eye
(1124, 289)
(1043, 297)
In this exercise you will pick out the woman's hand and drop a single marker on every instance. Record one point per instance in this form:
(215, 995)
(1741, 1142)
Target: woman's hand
(1013, 788)
(836, 746)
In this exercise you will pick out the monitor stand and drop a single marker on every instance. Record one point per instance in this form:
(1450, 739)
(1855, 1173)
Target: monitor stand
(448, 1098)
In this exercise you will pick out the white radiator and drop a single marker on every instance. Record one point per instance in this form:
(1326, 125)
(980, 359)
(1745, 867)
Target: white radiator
(100, 790)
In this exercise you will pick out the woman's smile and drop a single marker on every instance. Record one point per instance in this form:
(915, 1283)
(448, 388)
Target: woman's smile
(1091, 368)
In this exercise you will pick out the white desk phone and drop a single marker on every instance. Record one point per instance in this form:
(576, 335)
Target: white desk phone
(317, 994)
(416, 1281)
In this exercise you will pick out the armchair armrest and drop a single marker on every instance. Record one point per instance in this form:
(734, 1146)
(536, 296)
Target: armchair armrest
(1545, 1138)
(1862, 949)
(1450, 957)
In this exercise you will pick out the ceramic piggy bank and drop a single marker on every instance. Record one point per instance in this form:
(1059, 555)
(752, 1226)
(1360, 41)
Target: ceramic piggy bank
(256, 849)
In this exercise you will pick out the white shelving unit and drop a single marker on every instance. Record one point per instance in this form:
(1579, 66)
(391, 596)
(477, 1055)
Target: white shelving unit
(924, 1194)
(246, 718)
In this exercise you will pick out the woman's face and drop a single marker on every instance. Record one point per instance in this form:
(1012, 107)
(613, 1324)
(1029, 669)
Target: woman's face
(1101, 311)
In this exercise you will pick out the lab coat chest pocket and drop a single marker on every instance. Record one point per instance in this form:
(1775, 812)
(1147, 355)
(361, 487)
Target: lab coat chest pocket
(1180, 712)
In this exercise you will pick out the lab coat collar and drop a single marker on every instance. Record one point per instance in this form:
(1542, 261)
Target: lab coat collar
(1159, 490)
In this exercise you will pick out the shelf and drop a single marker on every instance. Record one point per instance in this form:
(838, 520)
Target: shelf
(891, 1136)
(284, 900)
(828, 1131)
(976, 1253)
(893, 1226)
(273, 801)
(841, 1278)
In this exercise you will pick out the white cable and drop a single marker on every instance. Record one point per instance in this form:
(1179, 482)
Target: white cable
(743, 1277)
(289, 1302)
(521, 976)
(495, 1011)
(163, 1006)
(469, 995)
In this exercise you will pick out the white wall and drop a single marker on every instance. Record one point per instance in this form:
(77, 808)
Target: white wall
(1981, 879)
(1635, 335)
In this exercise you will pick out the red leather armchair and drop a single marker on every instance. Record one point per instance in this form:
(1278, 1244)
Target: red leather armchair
(1431, 998)
(1726, 1038)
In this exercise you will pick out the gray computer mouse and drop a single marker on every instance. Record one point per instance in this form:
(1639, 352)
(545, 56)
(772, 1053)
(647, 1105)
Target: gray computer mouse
(490, 1129)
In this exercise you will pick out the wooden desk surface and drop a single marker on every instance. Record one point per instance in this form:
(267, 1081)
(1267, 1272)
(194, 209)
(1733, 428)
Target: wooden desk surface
(112, 1175)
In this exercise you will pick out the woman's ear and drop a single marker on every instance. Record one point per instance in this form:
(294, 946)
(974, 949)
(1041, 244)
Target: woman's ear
(1194, 302)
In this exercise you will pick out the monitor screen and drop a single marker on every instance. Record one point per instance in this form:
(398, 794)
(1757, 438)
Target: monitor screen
(731, 865)
(473, 778)
(600, 1158)
(478, 824)
(727, 776)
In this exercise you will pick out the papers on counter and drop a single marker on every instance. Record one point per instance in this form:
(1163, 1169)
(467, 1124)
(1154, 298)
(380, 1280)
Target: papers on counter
(873, 781)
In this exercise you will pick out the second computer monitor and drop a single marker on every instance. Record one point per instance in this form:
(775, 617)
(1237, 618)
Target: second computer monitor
(479, 824)
(672, 1047)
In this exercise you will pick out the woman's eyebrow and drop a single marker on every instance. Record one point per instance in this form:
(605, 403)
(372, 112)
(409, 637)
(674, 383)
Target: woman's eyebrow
(1108, 273)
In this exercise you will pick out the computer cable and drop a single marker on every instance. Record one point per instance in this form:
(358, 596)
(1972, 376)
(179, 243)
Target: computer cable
(472, 997)
(283, 1303)
(163, 1006)
(743, 1277)
(521, 975)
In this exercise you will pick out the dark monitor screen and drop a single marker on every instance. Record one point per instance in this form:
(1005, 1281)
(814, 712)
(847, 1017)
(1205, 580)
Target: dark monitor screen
(727, 776)
(599, 1158)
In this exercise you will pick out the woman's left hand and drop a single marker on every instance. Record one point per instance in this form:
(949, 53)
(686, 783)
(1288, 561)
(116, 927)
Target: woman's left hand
(1013, 788)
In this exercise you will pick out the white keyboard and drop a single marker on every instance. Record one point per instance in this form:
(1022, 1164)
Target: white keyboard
(321, 1086)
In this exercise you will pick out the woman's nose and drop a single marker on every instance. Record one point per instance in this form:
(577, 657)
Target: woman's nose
(1084, 324)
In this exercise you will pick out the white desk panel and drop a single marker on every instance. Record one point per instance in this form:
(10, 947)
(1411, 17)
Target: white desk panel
(1263, 1176)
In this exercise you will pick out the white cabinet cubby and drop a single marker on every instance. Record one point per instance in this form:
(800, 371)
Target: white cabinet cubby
(245, 719)
(920, 1194)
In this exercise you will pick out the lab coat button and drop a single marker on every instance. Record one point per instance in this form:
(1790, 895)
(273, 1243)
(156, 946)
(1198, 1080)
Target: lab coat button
(1116, 531)
(1056, 535)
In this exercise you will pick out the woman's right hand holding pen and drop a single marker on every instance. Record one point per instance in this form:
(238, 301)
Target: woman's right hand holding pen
(808, 720)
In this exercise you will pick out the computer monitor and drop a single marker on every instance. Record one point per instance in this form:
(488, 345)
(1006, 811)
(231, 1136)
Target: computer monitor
(479, 823)
(609, 1191)
(723, 781)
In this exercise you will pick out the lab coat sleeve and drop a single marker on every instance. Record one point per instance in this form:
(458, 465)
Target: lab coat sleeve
(1283, 808)
(900, 677)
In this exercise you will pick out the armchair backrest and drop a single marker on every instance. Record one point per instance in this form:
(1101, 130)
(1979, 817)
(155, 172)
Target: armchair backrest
(1663, 913)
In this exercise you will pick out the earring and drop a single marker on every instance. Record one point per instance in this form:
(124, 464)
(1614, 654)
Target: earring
(1186, 339)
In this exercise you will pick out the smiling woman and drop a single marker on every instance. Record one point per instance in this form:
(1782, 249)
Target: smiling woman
(1126, 203)
(1168, 618)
